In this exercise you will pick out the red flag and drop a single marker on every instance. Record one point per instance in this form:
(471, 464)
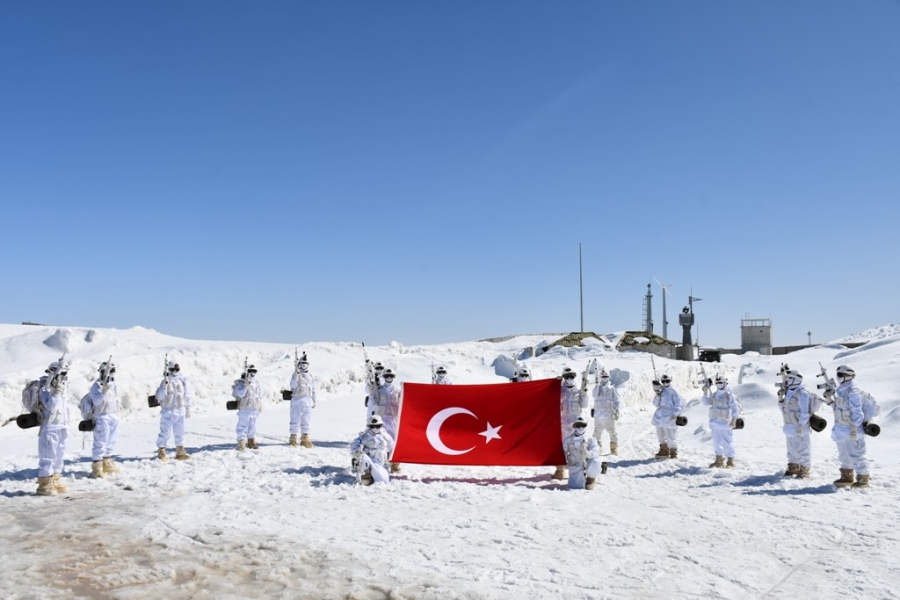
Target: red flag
(502, 424)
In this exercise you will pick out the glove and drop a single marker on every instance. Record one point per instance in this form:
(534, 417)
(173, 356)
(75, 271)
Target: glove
(781, 395)
(616, 415)
(829, 393)
(592, 413)
(187, 413)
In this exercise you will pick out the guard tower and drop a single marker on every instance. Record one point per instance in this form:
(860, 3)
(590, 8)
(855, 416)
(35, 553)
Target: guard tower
(756, 335)
(686, 320)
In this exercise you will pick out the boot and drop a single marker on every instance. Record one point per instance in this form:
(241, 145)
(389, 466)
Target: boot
(614, 448)
(862, 481)
(304, 440)
(603, 467)
(293, 440)
(97, 469)
(729, 464)
(718, 463)
(589, 483)
(559, 473)
(46, 487)
(109, 465)
(241, 445)
(673, 452)
(792, 470)
(367, 478)
(180, 454)
(663, 452)
(803, 473)
(251, 443)
(161, 455)
(846, 479)
(395, 467)
(58, 485)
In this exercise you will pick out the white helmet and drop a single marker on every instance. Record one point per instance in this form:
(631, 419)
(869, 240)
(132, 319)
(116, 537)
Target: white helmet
(303, 363)
(568, 376)
(794, 379)
(665, 380)
(721, 382)
(845, 373)
(375, 422)
(604, 374)
(441, 371)
(580, 423)
(388, 374)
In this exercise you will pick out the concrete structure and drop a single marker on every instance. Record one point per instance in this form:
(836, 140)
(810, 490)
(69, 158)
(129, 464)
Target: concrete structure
(644, 341)
(756, 335)
(686, 320)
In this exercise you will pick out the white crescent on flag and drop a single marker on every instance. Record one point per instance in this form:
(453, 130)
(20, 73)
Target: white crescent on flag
(433, 431)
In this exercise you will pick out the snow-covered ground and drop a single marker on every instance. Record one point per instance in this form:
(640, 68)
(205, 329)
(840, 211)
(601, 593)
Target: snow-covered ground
(291, 523)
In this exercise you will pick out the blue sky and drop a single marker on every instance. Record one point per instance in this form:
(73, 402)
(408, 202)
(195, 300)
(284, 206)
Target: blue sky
(425, 172)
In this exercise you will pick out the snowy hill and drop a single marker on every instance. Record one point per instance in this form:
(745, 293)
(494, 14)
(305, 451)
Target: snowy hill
(283, 522)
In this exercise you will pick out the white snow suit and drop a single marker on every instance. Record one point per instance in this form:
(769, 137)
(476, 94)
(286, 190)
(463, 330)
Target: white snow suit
(174, 401)
(303, 399)
(847, 432)
(795, 410)
(387, 406)
(104, 411)
(606, 411)
(371, 450)
(668, 406)
(572, 401)
(442, 380)
(54, 428)
(724, 408)
(249, 395)
(582, 459)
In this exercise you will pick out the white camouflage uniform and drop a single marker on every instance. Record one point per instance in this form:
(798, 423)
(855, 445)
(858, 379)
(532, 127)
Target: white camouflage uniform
(724, 408)
(606, 411)
(54, 428)
(668, 406)
(174, 402)
(373, 449)
(847, 432)
(796, 413)
(582, 458)
(249, 395)
(303, 399)
(104, 410)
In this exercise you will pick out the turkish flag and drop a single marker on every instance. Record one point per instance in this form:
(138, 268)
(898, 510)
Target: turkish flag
(500, 424)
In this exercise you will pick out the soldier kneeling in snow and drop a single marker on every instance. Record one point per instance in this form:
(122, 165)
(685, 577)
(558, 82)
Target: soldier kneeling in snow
(371, 451)
(582, 457)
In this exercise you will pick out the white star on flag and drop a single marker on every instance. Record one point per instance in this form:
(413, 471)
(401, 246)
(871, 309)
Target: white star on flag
(491, 433)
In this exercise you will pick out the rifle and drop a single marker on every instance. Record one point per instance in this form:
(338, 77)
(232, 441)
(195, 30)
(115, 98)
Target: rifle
(371, 375)
(244, 376)
(782, 387)
(104, 374)
(166, 372)
(586, 375)
(53, 381)
(433, 374)
(707, 382)
(515, 376)
(828, 384)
